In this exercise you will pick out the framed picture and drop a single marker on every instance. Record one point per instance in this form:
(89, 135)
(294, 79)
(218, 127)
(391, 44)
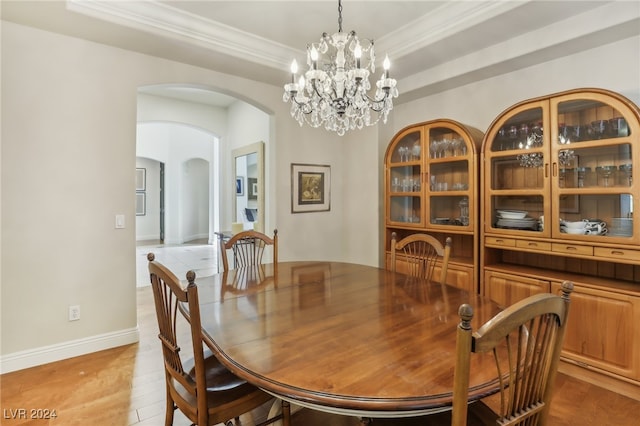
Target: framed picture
(239, 186)
(141, 179)
(141, 203)
(252, 188)
(310, 188)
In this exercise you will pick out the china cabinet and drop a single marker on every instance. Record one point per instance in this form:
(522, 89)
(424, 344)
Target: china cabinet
(559, 198)
(431, 186)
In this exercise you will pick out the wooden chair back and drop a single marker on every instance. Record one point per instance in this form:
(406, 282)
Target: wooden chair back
(248, 248)
(168, 293)
(418, 255)
(525, 340)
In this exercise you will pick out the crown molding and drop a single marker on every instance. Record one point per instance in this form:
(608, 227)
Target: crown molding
(608, 23)
(170, 22)
(445, 20)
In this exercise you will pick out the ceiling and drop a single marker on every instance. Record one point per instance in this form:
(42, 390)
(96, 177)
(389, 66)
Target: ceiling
(433, 45)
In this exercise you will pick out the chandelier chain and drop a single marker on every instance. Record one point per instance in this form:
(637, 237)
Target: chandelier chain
(339, 16)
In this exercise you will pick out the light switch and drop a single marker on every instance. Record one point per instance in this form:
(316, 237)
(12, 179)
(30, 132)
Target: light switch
(119, 221)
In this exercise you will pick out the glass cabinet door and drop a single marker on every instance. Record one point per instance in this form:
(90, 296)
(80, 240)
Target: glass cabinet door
(405, 180)
(593, 162)
(519, 178)
(448, 172)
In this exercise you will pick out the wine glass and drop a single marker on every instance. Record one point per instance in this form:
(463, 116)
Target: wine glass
(434, 148)
(627, 170)
(403, 151)
(582, 172)
(461, 147)
(605, 173)
(562, 177)
(415, 151)
(442, 148)
(600, 128)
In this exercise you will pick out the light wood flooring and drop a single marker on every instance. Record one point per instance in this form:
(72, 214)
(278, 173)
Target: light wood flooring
(125, 386)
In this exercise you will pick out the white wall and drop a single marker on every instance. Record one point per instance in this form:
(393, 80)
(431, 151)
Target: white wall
(175, 144)
(246, 125)
(194, 215)
(238, 125)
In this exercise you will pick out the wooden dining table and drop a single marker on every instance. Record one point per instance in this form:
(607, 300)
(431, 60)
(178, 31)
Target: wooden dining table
(343, 338)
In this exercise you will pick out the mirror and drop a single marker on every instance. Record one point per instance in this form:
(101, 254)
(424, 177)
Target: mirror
(248, 169)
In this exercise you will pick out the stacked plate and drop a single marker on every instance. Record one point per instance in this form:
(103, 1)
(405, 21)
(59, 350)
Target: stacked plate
(515, 219)
(621, 227)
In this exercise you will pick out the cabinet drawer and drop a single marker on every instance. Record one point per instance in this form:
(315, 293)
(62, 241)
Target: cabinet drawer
(572, 249)
(507, 289)
(615, 253)
(533, 245)
(497, 241)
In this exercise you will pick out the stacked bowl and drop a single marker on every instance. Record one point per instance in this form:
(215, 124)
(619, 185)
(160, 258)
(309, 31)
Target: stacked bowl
(515, 219)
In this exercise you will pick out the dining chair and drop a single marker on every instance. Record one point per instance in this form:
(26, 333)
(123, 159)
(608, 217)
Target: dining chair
(417, 255)
(525, 341)
(248, 248)
(200, 387)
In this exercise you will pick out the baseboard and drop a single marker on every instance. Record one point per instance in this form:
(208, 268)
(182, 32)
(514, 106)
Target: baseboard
(147, 237)
(622, 386)
(195, 237)
(46, 354)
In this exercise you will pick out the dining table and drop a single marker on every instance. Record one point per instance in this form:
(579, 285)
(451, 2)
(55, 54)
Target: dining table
(343, 338)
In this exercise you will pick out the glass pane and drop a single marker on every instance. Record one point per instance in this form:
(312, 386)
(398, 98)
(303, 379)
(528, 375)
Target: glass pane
(586, 120)
(597, 215)
(522, 131)
(407, 149)
(450, 176)
(517, 212)
(446, 143)
(607, 166)
(405, 209)
(518, 171)
(449, 211)
(405, 179)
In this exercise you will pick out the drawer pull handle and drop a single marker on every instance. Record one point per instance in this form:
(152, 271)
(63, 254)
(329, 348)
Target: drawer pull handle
(533, 245)
(571, 248)
(617, 252)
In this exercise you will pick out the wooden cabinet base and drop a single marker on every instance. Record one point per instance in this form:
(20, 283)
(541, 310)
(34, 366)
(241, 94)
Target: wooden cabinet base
(617, 384)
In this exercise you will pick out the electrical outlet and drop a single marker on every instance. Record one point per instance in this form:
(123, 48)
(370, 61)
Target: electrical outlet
(74, 312)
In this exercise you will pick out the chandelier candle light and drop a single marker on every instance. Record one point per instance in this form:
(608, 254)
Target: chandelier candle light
(334, 90)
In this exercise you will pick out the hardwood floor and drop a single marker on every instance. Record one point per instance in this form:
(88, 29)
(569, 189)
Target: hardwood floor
(125, 386)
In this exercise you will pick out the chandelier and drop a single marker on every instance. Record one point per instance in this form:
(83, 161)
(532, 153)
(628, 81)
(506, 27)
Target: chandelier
(334, 91)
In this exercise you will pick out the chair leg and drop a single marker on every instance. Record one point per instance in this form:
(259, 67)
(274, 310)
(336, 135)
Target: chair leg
(286, 413)
(170, 409)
